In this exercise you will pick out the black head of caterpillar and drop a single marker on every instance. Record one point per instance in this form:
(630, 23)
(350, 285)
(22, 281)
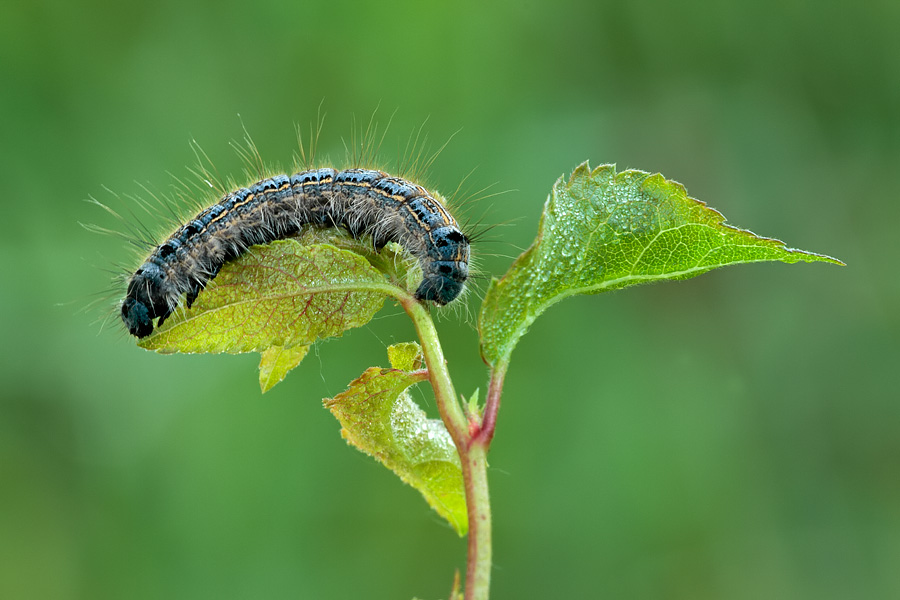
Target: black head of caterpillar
(362, 201)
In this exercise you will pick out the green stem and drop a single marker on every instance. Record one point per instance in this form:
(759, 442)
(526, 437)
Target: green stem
(445, 396)
(478, 502)
(472, 453)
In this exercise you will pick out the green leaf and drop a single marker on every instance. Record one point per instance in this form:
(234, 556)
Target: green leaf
(378, 416)
(284, 294)
(276, 362)
(406, 356)
(472, 407)
(602, 231)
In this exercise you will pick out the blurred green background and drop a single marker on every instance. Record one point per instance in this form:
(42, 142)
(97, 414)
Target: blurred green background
(733, 436)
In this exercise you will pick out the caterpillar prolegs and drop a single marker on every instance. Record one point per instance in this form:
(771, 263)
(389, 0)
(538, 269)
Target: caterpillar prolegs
(362, 201)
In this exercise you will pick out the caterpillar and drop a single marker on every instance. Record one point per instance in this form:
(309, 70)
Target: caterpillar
(362, 201)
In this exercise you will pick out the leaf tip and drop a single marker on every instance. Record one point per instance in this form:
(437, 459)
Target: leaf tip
(826, 259)
(276, 362)
(582, 170)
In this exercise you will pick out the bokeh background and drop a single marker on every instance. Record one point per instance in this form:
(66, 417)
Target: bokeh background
(732, 436)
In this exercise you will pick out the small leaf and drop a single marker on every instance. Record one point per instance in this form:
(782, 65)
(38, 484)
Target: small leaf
(276, 362)
(472, 407)
(406, 356)
(602, 231)
(378, 417)
(281, 294)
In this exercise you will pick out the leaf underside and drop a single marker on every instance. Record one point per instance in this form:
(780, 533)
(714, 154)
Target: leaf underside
(603, 230)
(277, 299)
(378, 416)
(276, 362)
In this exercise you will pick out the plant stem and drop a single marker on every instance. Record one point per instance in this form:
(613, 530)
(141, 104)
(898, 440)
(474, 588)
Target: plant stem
(445, 395)
(492, 405)
(478, 502)
(472, 452)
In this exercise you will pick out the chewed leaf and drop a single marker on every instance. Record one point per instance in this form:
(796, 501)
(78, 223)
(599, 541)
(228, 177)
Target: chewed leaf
(378, 417)
(602, 231)
(276, 362)
(281, 294)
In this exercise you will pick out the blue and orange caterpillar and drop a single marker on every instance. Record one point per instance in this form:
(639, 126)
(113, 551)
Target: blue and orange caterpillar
(362, 201)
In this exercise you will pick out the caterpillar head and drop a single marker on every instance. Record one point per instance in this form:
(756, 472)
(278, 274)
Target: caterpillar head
(443, 282)
(139, 308)
(445, 266)
(136, 317)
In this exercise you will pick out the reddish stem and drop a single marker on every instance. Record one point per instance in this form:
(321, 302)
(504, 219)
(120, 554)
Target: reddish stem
(491, 407)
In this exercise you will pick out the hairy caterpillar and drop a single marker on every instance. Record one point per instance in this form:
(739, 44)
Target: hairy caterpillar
(364, 202)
